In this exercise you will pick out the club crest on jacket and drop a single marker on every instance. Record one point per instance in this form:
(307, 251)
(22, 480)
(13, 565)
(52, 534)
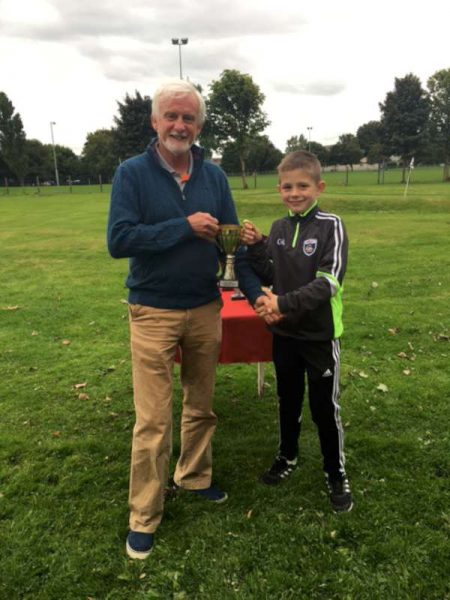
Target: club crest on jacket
(310, 246)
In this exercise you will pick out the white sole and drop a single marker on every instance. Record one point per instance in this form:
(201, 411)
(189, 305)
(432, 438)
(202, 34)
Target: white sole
(137, 555)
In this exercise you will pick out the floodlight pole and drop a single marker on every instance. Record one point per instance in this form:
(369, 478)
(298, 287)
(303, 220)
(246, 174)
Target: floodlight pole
(54, 153)
(309, 138)
(180, 42)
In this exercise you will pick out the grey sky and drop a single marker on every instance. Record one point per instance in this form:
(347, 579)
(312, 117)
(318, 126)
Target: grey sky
(320, 64)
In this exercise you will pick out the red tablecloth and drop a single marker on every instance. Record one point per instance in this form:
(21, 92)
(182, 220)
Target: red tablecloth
(245, 338)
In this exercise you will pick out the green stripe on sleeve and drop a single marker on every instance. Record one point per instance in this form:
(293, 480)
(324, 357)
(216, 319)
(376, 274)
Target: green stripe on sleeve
(337, 306)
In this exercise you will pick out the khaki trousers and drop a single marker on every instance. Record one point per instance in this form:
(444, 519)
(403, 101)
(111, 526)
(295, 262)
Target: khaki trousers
(155, 335)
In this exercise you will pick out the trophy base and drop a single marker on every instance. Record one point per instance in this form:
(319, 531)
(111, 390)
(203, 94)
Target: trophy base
(228, 284)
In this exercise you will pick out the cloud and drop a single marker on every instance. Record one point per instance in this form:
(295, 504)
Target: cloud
(313, 88)
(132, 41)
(155, 23)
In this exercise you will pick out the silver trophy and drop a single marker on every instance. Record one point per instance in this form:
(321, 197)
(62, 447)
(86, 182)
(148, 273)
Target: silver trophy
(228, 240)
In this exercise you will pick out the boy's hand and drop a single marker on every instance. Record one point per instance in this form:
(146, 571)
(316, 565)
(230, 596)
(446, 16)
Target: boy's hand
(266, 307)
(250, 234)
(271, 301)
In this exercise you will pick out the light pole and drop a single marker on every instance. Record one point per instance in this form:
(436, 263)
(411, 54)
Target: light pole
(309, 138)
(54, 153)
(180, 42)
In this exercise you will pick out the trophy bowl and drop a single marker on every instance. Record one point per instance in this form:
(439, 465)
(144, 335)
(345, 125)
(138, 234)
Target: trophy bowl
(228, 240)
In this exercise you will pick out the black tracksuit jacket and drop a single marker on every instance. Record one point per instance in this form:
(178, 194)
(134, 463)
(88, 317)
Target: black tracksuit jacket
(304, 258)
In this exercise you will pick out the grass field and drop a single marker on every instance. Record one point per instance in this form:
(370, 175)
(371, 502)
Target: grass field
(66, 416)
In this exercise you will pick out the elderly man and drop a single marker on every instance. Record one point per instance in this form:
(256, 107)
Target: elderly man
(166, 207)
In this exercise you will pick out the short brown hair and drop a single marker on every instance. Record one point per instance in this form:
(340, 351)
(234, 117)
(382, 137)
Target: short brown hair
(301, 160)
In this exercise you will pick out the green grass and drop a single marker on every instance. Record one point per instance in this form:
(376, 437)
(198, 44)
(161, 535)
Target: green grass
(64, 460)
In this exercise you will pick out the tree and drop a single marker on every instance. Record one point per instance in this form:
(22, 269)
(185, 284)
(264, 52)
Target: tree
(99, 156)
(69, 164)
(5, 171)
(234, 114)
(39, 160)
(320, 151)
(439, 90)
(404, 118)
(347, 151)
(12, 138)
(133, 130)
(296, 142)
(370, 139)
(262, 156)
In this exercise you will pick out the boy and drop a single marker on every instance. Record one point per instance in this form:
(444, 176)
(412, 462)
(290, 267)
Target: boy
(304, 260)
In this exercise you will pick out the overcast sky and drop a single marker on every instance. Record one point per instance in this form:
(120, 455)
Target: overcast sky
(320, 63)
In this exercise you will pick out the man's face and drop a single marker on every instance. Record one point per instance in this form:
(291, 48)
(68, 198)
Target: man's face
(299, 190)
(177, 124)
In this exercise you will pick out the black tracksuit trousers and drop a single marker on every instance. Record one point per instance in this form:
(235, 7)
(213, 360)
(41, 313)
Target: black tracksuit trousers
(292, 359)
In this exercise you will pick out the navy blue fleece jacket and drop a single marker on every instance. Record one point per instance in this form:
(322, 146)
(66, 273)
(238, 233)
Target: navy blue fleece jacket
(170, 267)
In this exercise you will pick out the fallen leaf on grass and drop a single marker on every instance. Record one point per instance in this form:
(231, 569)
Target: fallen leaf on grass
(56, 433)
(382, 387)
(35, 333)
(393, 330)
(363, 375)
(442, 337)
(83, 396)
(406, 372)
(249, 514)
(78, 386)
(66, 342)
(374, 285)
(17, 307)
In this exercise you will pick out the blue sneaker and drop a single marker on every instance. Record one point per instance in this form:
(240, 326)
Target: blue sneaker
(212, 494)
(139, 545)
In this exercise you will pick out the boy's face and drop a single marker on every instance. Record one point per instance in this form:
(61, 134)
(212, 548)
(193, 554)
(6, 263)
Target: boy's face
(299, 190)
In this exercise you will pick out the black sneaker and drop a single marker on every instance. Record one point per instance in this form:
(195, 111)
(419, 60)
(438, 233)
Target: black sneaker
(340, 494)
(279, 471)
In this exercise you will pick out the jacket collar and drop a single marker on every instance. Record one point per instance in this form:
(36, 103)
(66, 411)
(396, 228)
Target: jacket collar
(306, 216)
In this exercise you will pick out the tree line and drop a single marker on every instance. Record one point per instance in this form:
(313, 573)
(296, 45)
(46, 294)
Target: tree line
(414, 123)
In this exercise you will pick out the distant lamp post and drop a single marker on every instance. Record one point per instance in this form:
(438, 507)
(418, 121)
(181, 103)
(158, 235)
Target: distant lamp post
(180, 42)
(54, 153)
(309, 138)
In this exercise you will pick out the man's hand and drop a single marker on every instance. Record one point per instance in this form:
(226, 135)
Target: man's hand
(271, 301)
(204, 225)
(250, 234)
(264, 308)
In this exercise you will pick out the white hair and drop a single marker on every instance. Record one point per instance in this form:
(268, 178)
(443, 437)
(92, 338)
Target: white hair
(178, 87)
